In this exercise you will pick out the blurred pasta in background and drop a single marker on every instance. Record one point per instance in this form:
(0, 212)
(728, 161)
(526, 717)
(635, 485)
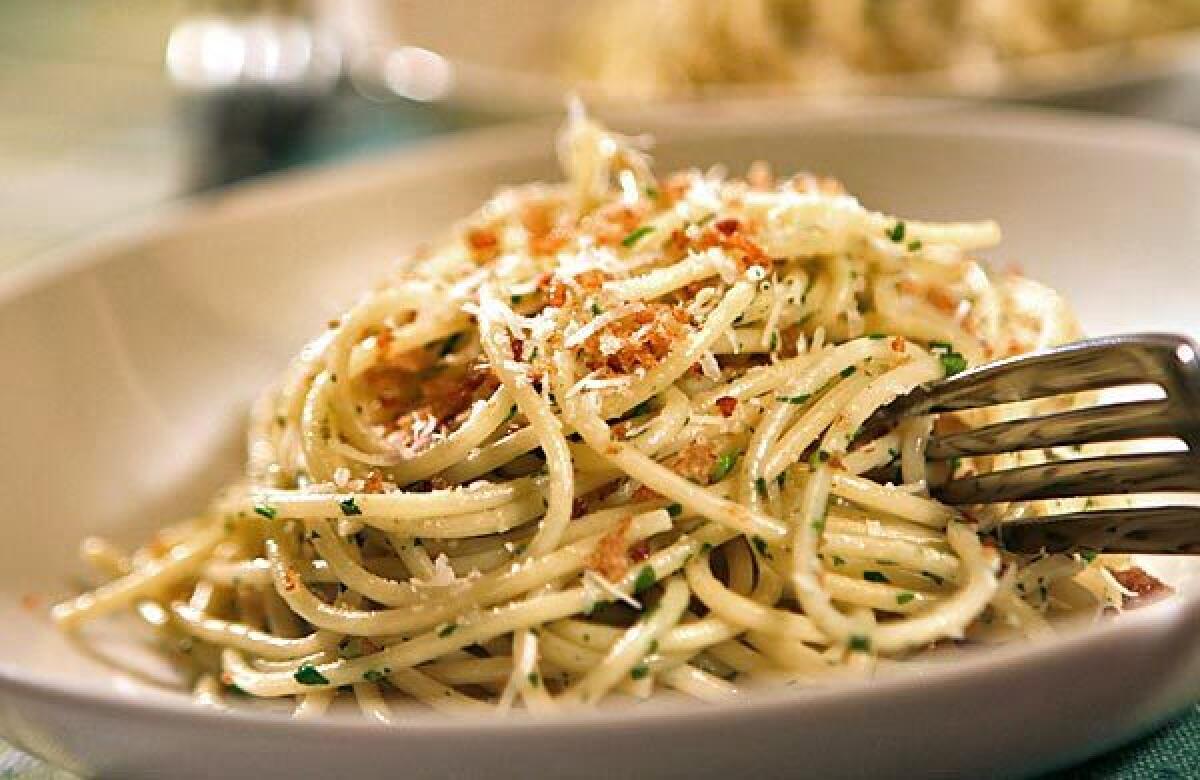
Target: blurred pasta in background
(678, 46)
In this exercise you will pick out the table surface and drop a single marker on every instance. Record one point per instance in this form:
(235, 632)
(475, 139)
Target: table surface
(90, 134)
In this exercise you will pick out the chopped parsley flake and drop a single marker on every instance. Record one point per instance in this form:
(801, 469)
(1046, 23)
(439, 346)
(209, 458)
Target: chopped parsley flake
(596, 310)
(675, 510)
(534, 679)
(774, 340)
(953, 363)
(639, 672)
(645, 579)
(264, 510)
(817, 458)
(349, 508)
(651, 191)
(760, 485)
(636, 236)
(760, 544)
(897, 232)
(511, 414)
(875, 576)
(308, 674)
(859, 643)
(904, 597)
(914, 245)
(1088, 555)
(451, 344)
(794, 399)
(723, 466)
(848, 371)
(447, 630)
(818, 525)
(876, 336)
(838, 560)
(375, 676)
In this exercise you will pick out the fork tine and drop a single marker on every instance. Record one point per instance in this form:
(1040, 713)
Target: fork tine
(1113, 422)
(1109, 475)
(1084, 365)
(1159, 529)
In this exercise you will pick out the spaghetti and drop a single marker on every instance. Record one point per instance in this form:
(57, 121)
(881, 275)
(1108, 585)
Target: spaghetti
(607, 439)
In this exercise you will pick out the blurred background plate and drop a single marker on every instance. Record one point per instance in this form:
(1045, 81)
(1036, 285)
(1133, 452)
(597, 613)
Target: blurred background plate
(508, 58)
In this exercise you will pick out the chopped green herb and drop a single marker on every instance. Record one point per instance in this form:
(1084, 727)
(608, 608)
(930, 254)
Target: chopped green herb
(651, 191)
(848, 371)
(264, 510)
(838, 560)
(653, 646)
(639, 672)
(376, 676)
(914, 245)
(818, 525)
(723, 466)
(794, 399)
(706, 547)
(905, 596)
(897, 232)
(955, 464)
(781, 479)
(817, 458)
(511, 414)
(447, 630)
(1088, 555)
(934, 578)
(516, 299)
(640, 409)
(859, 644)
(875, 576)
(941, 346)
(636, 236)
(308, 674)
(760, 544)
(953, 363)
(876, 336)
(774, 340)
(349, 508)
(534, 679)
(645, 579)
(450, 344)
(675, 510)
(596, 310)
(760, 485)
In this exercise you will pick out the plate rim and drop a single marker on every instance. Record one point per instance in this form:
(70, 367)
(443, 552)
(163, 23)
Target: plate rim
(1063, 74)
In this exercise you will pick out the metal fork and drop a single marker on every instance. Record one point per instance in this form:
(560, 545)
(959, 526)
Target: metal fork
(1168, 361)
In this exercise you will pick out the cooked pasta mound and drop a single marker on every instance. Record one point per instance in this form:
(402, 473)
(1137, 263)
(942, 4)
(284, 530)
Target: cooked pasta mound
(607, 438)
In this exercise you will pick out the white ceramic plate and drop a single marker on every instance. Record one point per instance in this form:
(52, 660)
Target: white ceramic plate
(129, 362)
(508, 58)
